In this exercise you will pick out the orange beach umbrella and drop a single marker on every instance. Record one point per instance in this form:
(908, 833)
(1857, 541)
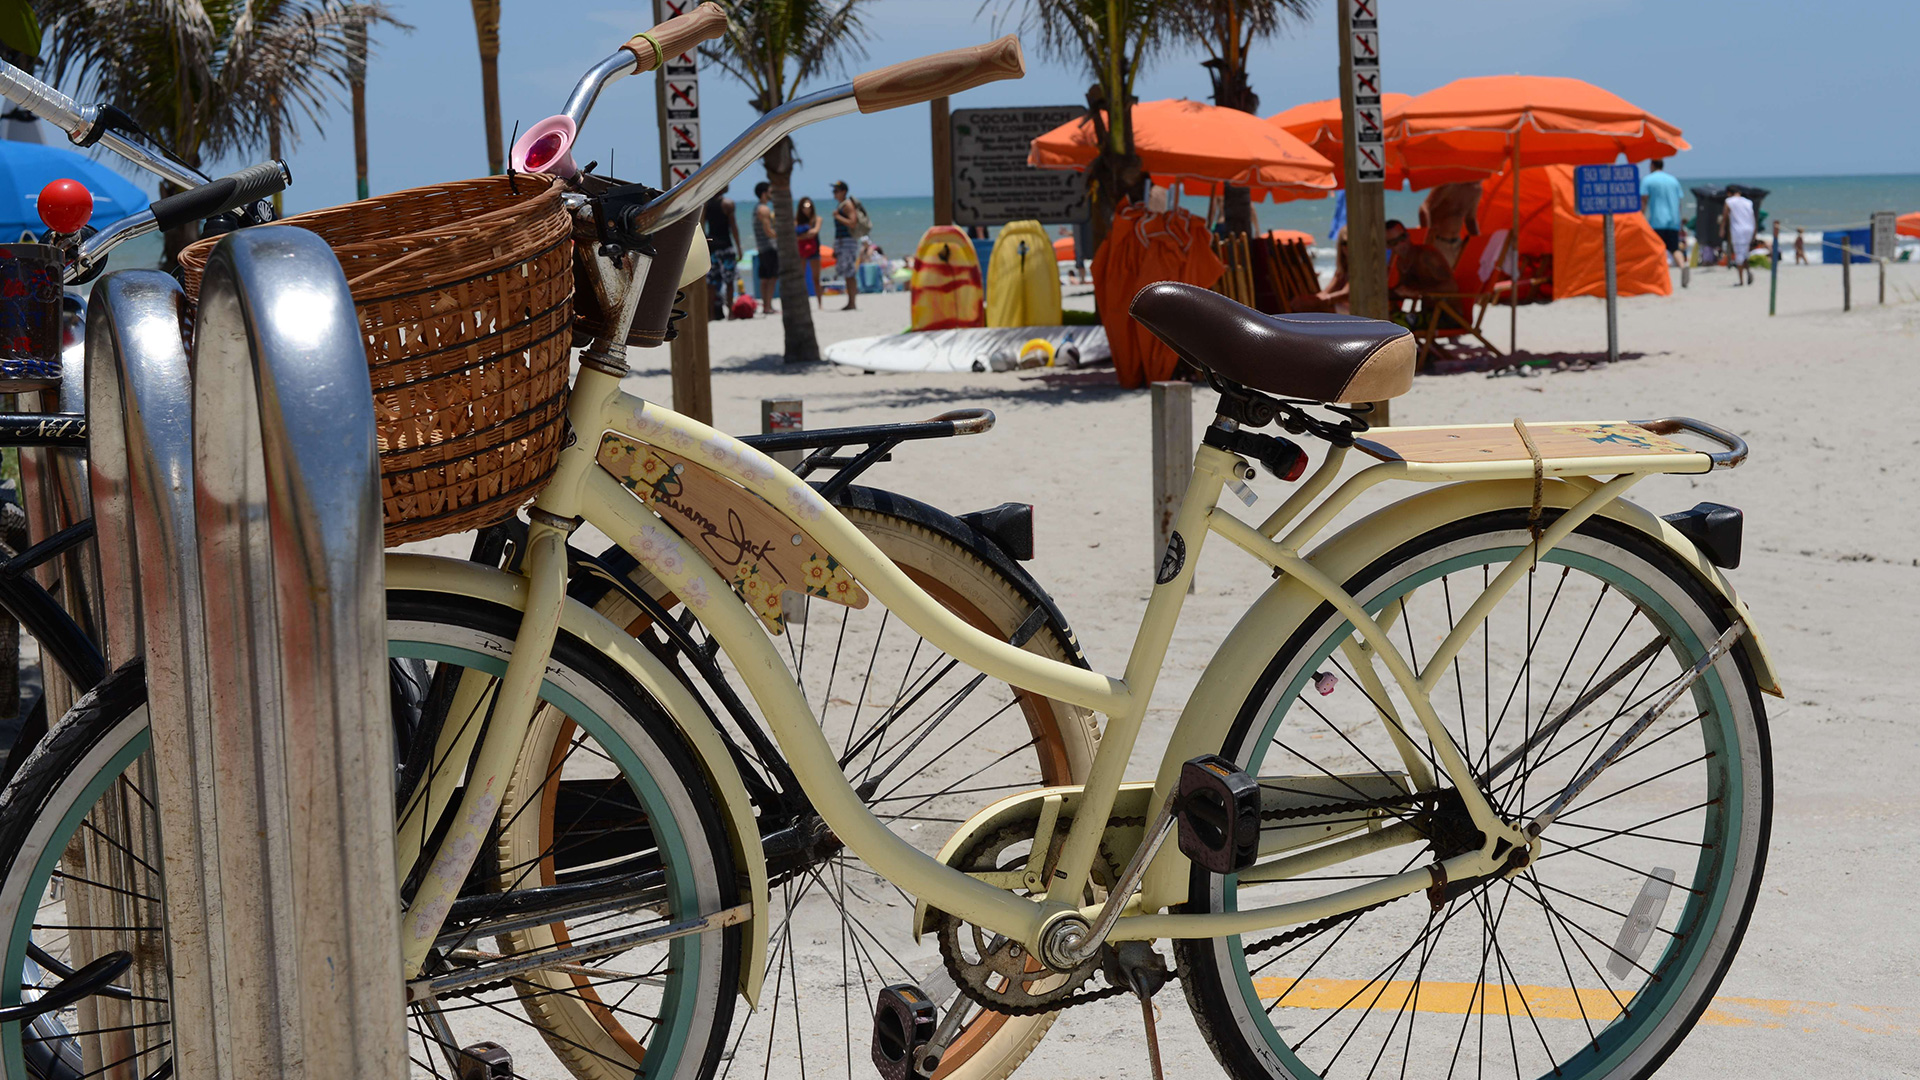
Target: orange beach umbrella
(1492, 122)
(1319, 125)
(1201, 145)
(1908, 224)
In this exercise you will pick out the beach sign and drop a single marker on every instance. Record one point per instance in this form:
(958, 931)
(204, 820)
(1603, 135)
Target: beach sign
(992, 182)
(1606, 189)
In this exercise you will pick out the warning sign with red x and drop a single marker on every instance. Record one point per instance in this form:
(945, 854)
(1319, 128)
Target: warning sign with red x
(683, 142)
(683, 99)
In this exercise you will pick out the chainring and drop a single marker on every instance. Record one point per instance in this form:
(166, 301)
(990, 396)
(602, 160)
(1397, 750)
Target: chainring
(994, 972)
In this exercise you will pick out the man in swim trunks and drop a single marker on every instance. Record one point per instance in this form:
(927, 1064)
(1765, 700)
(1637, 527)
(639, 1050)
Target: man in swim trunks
(766, 253)
(1660, 203)
(846, 246)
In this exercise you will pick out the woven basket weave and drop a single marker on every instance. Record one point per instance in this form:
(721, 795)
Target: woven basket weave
(465, 297)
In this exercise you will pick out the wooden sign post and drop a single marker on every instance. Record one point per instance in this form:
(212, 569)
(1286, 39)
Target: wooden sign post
(1364, 152)
(942, 162)
(677, 93)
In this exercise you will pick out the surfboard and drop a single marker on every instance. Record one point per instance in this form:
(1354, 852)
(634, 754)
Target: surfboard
(946, 284)
(963, 349)
(1023, 280)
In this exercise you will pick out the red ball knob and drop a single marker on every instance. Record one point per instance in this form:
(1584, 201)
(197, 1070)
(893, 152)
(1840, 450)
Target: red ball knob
(65, 205)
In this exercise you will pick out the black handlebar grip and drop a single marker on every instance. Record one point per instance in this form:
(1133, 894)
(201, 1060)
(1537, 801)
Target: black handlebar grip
(246, 186)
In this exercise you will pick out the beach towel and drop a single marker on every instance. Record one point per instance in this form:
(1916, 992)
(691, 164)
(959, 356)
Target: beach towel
(1143, 248)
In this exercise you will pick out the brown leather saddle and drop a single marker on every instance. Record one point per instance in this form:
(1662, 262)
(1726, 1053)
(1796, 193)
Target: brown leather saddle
(1314, 356)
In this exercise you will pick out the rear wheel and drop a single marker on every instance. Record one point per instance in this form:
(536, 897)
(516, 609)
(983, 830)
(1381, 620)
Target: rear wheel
(1597, 958)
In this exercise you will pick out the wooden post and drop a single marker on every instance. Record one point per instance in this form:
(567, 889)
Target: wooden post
(1513, 283)
(1846, 272)
(1366, 207)
(688, 357)
(1172, 456)
(942, 163)
(1773, 278)
(1882, 264)
(785, 414)
(687, 354)
(486, 23)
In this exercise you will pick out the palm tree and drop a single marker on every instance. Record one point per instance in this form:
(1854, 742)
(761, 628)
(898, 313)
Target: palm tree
(1227, 29)
(486, 24)
(207, 80)
(1114, 40)
(773, 47)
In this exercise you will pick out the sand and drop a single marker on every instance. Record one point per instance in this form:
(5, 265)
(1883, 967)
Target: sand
(1832, 573)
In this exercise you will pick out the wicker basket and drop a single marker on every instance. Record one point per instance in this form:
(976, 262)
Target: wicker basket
(465, 297)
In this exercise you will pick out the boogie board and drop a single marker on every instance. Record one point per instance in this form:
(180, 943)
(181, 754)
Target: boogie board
(1023, 280)
(946, 281)
(962, 349)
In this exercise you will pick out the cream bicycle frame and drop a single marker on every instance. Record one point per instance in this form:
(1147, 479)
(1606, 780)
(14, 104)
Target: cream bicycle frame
(582, 490)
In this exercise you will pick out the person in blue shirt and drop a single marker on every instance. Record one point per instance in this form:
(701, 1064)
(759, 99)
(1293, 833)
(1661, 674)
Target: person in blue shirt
(1660, 202)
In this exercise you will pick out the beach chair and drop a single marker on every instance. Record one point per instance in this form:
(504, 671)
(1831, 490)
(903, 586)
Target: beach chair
(1444, 320)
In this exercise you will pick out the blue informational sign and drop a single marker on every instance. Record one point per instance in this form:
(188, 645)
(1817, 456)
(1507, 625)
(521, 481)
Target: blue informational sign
(1607, 189)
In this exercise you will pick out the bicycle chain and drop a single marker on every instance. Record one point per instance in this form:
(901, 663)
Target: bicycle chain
(1305, 930)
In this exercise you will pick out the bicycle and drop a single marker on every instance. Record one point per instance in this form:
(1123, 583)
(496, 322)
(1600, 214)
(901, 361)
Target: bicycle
(965, 559)
(1042, 892)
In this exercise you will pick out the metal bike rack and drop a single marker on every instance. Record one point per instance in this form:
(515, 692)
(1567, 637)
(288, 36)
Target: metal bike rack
(242, 558)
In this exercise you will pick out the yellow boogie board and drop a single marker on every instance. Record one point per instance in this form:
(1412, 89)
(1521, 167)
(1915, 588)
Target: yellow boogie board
(946, 281)
(1023, 278)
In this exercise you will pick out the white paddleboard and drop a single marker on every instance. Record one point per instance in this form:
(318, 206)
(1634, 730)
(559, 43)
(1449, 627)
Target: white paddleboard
(965, 349)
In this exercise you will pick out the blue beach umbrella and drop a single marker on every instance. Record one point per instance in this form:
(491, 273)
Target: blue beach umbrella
(26, 167)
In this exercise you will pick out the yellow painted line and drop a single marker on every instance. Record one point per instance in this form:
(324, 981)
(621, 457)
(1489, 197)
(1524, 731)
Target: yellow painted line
(1561, 1003)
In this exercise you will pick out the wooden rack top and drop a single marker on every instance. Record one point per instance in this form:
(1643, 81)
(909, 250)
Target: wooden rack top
(1501, 442)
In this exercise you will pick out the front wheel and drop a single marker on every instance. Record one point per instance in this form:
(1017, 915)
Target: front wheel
(1596, 959)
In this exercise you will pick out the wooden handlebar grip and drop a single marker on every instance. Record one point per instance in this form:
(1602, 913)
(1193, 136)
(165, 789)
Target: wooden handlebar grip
(677, 35)
(913, 81)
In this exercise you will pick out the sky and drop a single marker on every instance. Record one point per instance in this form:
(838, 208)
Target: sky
(1760, 87)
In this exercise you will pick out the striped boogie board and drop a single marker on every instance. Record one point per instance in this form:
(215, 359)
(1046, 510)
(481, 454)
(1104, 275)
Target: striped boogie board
(946, 281)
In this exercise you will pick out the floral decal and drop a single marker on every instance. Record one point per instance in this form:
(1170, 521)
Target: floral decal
(1628, 436)
(755, 546)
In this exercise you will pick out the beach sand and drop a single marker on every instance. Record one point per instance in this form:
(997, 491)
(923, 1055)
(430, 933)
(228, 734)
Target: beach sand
(1830, 402)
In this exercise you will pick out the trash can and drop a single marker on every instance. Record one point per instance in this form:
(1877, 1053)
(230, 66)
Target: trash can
(1861, 241)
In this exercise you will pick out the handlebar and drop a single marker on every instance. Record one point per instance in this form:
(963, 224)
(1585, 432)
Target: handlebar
(673, 37)
(911, 82)
(1731, 457)
(82, 123)
(906, 83)
(650, 50)
(211, 199)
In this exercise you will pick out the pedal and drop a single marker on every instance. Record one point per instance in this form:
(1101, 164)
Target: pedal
(1219, 815)
(904, 1020)
(485, 1061)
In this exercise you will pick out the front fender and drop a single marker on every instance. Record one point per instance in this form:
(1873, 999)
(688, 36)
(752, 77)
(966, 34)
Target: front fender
(425, 573)
(1243, 656)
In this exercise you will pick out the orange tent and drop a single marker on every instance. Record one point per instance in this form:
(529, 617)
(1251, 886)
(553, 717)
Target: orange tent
(1908, 224)
(1551, 224)
(1200, 145)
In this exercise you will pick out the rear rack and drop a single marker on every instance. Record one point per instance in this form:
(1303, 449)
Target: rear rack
(878, 441)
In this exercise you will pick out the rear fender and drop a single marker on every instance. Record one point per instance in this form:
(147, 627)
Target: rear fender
(1242, 658)
(424, 573)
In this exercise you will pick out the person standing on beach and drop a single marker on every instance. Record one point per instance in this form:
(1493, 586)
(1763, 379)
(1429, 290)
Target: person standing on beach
(1660, 202)
(723, 249)
(766, 254)
(806, 222)
(1738, 219)
(846, 240)
(1799, 247)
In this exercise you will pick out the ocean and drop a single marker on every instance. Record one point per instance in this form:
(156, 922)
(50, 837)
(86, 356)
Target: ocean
(1814, 203)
